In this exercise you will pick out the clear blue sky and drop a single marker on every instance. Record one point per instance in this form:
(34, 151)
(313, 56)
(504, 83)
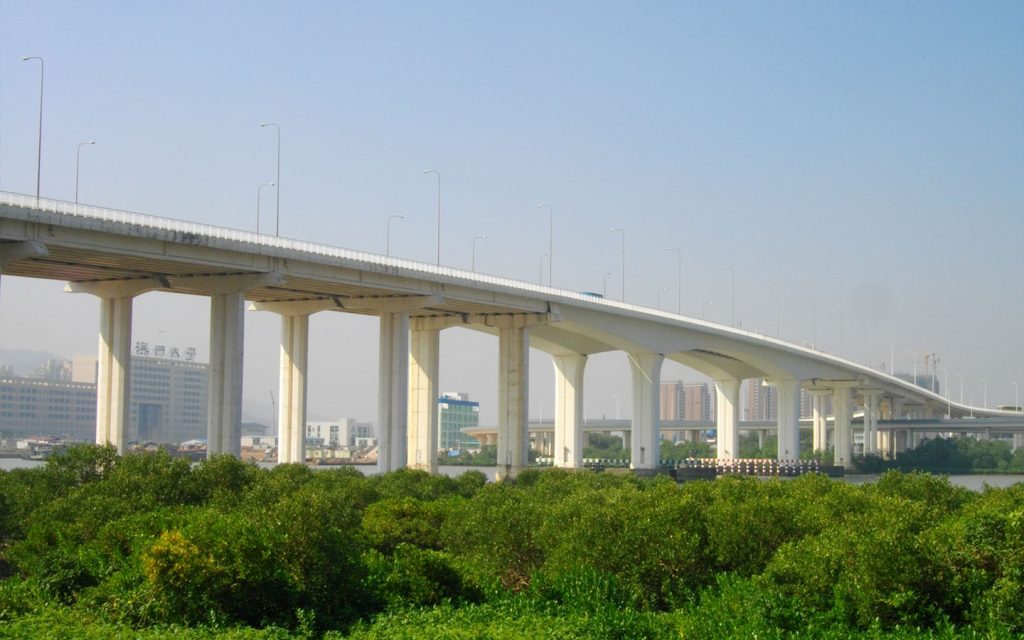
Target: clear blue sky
(867, 155)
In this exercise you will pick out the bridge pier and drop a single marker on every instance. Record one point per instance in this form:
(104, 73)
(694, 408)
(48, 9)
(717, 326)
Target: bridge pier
(870, 397)
(424, 347)
(224, 408)
(114, 372)
(645, 441)
(291, 422)
(513, 395)
(841, 429)
(727, 411)
(568, 450)
(819, 424)
(788, 394)
(393, 392)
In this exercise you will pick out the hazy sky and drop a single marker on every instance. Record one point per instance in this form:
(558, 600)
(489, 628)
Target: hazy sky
(866, 155)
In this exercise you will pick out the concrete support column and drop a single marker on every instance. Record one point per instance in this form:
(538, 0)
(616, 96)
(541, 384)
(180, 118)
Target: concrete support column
(788, 393)
(424, 348)
(896, 405)
(568, 451)
(393, 392)
(513, 400)
(841, 429)
(1018, 441)
(727, 411)
(224, 411)
(291, 420)
(819, 424)
(645, 434)
(885, 444)
(871, 421)
(113, 372)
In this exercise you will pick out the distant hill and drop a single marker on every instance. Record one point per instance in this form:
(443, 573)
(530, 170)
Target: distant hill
(25, 361)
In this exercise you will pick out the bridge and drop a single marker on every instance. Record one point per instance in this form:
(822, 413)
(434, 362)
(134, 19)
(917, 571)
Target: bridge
(116, 255)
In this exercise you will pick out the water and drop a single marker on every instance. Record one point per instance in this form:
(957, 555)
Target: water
(972, 482)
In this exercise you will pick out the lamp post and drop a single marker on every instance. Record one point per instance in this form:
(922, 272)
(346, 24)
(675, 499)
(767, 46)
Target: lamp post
(39, 137)
(78, 161)
(704, 309)
(840, 331)
(778, 309)
(277, 190)
(961, 386)
(473, 263)
(732, 278)
(1016, 407)
(551, 236)
(259, 193)
(661, 291)
(604, 284)
(679, 280)
(438, 212)
(387, 240)
(814, 319)
(623, 232)
(984, 397)
(540, 278)
(945, 382)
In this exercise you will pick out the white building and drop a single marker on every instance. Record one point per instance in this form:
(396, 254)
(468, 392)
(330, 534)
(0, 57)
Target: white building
(343, 432)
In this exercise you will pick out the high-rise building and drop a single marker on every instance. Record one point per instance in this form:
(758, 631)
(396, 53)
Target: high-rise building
(697, 401)
(761, 401)
(456, 412)
(167, 400)
(673, 400)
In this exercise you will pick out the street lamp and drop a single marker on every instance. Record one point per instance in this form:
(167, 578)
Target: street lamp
(661, 291)
(945, 382)
(438, 212)
(277, 191)
(39, 137)
(259, 192)
(473, 263)
(704, 309)
(679, 280)
(387, 240)
(840, 331)
(984, 400)
(778, 309)
(604, 284)
(540, 278)
(892, 357)
(814, 319)
(551, 236)
(732, 277)
(623, 232)
(78, 159)
(1016, 407)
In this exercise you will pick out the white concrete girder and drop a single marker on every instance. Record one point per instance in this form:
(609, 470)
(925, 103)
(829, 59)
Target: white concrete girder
(114, 372)
(424, 348)
(569, 410)
(727, 412)
(646, 426)
(13, 251)
(393, 392)
(513, 400)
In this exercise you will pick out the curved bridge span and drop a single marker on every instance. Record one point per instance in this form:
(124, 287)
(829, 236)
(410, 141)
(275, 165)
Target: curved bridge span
(117, 255)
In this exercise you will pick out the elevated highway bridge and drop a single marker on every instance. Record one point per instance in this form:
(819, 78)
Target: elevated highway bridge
(116, 255)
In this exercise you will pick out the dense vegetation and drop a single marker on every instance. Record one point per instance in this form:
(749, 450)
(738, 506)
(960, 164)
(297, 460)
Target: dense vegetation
(93, 545)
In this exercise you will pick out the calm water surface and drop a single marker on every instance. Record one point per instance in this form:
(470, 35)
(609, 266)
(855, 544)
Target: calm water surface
(973, 482)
